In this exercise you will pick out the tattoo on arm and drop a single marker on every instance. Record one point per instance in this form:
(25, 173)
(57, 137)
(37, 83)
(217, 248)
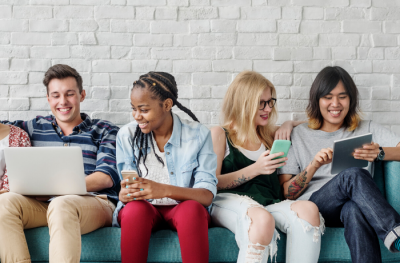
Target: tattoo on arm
(297, 185)
(236, 183)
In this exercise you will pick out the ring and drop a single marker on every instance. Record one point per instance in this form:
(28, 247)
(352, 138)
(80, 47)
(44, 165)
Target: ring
(127, 186)
(128, 194)
(134, 198)
(141, 189)
(134, 178)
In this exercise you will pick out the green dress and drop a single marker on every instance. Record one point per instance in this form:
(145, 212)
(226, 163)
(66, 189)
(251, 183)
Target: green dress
(264, 188)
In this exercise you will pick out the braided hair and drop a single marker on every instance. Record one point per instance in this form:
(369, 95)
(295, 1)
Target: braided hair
(162, 86)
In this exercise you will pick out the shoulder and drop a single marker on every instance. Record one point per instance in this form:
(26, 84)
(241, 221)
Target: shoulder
(107, 126)
(192, 128)
(17, 132)
(218, 136)
(370, 126)
(301, 129)
(18, 137)
(127, 130)
(42, 119)
(218, 132)
(367, 125)
(189, 124)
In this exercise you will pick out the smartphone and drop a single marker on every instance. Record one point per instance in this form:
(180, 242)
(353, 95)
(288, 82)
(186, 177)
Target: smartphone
(129, 174)
(280, 146)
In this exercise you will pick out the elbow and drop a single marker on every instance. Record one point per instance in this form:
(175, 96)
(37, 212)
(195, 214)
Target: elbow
(290, 197)
(208, 199)
(108, 183)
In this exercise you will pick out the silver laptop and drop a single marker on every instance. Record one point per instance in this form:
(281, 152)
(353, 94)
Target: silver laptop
(343, 153)
(45, 170)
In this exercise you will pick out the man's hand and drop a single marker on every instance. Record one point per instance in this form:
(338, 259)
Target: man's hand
(368, 152)
(322, 157)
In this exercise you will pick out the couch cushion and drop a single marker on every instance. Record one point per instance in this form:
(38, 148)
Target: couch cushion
(103, 245)
(392, 184)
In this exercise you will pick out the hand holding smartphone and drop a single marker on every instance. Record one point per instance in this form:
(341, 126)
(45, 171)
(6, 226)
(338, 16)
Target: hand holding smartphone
(280, 146)
(130, 176)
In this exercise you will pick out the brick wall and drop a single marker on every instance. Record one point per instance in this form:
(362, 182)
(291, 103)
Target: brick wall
(204, 43)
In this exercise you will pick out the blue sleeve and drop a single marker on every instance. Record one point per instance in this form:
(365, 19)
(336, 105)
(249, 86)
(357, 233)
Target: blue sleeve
(125, 157)
(205, 174)
(125, 161)
(106, 157)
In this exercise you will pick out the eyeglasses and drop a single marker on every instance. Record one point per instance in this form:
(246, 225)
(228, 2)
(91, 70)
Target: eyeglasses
(271, 103)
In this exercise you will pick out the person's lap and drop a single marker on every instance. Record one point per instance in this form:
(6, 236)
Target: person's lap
(67, 217)
(352, 199)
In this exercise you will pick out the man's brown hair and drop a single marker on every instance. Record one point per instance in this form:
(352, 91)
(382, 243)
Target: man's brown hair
(62, 71)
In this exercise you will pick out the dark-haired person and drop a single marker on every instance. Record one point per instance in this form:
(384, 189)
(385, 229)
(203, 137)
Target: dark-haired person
(176, 165)
(68, 217)
(350, 198)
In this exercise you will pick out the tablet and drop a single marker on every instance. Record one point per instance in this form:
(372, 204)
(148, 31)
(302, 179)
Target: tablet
(343, 153)
(45, 170)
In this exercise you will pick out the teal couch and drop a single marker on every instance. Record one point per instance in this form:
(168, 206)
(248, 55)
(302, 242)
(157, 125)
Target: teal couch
(103, 245)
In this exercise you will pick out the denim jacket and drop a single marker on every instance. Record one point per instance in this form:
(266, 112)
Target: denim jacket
(190, 157)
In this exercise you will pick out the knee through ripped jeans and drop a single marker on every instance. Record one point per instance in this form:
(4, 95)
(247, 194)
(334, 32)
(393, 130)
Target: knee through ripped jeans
(303, 240)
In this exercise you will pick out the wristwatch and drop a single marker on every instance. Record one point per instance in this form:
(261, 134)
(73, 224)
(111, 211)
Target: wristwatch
(381, 155)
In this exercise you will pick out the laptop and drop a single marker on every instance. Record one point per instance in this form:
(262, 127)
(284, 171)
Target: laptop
(343, 153)
(45, 170)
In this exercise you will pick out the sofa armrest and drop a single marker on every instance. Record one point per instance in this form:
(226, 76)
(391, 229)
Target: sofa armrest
(392, 183)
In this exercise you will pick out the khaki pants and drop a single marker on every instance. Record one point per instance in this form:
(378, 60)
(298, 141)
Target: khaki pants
(68, 217)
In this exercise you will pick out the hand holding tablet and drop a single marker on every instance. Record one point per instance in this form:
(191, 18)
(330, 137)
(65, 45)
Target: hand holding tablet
(344, 150)
(368, 152)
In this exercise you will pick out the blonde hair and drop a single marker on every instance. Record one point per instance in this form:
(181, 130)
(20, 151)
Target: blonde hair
(240, 107)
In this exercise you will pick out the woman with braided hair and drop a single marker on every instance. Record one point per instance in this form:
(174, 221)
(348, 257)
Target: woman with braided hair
(176, 165)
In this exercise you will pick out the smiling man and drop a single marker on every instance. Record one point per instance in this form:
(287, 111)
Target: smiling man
(350, 198)
(68, 217)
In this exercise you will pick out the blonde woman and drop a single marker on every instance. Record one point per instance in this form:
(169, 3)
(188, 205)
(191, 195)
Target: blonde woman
(249, 199)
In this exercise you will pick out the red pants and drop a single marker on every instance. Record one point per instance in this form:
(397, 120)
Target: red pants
(189, 218)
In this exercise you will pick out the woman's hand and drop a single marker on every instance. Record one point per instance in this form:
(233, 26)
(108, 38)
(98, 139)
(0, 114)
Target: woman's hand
(322, 157)
(3, 191)
(148, 189)
(368, 152)
(126, 192)
(283, 133)
(142, 189)
(265, 164)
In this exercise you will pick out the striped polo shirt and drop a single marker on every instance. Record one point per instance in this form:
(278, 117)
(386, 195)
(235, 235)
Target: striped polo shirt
(95, 137)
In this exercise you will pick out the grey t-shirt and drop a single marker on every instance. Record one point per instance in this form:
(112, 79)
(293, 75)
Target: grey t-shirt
(306, 143)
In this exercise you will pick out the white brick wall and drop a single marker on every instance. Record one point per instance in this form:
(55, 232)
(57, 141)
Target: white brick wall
(204, 43)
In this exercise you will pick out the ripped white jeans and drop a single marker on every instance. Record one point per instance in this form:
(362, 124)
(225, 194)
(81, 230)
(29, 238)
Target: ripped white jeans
(303, 240)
